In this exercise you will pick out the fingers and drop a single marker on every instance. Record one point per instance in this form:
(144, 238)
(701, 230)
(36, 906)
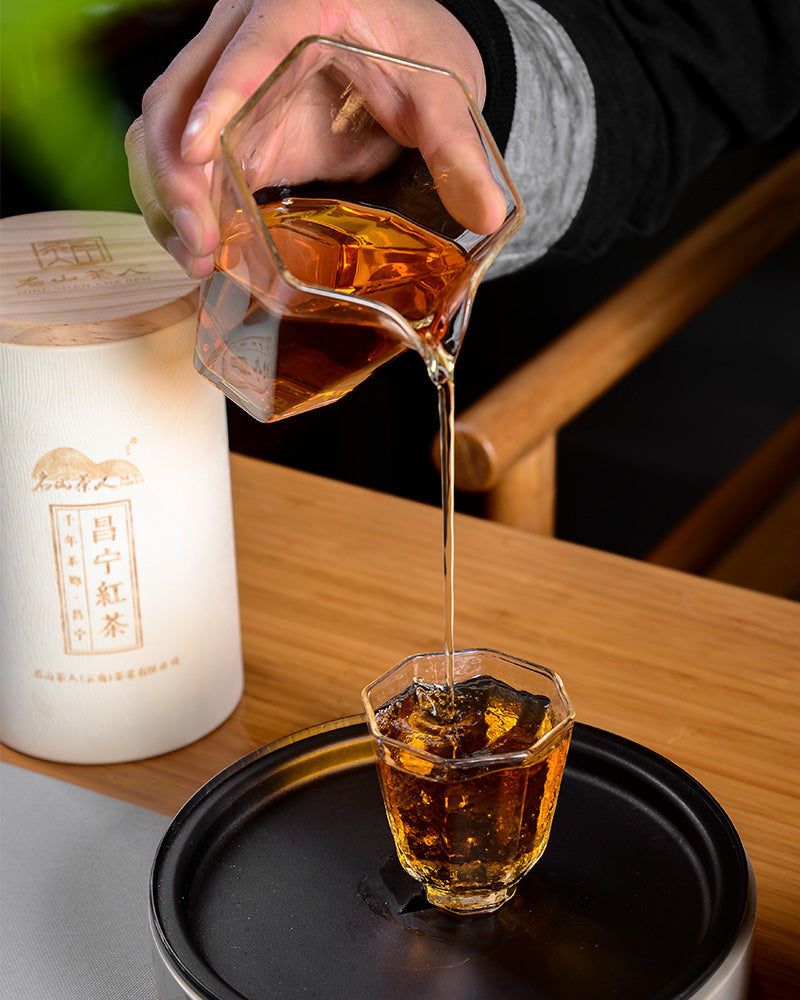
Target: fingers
(141, 187)
(173, 193)
(166, 225)
(435, 117)
(449, 139)
(466, 185)
(262, 39)
(172, 146)
(170, 149)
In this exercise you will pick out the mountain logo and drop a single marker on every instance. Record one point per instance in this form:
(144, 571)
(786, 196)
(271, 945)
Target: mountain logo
(69, 469)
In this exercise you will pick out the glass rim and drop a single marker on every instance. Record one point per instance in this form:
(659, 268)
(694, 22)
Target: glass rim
(520, 758)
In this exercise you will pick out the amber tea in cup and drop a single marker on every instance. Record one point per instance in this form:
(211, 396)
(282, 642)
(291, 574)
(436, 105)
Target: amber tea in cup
(470, 771)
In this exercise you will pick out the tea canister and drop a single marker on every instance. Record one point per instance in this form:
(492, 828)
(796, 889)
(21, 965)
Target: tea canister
(119, 618)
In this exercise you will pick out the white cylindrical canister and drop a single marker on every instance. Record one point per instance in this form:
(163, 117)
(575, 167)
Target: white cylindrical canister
(119, 618)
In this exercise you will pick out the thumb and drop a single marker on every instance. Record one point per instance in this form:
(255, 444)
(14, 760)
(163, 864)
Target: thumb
(466, 185)
(444, 125)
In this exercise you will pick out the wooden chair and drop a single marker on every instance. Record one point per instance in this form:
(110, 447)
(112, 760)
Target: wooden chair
(505, 443)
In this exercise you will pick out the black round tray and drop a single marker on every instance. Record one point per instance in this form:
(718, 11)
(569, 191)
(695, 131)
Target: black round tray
(279, 879)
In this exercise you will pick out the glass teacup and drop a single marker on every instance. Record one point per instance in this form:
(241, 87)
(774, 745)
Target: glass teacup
(470, 774)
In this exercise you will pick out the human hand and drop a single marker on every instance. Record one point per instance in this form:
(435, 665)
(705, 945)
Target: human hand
(172, 146)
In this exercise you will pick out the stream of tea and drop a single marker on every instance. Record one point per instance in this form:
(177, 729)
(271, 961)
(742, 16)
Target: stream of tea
(294, 358)
(445, 386)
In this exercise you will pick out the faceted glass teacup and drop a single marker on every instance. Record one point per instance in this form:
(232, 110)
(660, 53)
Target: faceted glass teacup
(321, 278)
(470, 779)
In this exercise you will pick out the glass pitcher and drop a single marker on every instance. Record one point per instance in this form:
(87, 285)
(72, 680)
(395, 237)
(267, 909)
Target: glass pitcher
(319, 279)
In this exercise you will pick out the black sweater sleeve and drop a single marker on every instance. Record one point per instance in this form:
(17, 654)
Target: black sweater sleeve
(676, 83)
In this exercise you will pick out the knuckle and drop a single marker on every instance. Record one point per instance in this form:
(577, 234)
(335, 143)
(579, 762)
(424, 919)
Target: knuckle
(133, 137)
(154, 95)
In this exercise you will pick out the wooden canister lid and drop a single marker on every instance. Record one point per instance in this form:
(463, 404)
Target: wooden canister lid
(73, 277)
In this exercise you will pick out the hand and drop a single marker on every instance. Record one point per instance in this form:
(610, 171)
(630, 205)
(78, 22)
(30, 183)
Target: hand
(172, 146)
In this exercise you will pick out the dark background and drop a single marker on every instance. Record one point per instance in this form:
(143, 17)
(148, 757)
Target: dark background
(629, 467)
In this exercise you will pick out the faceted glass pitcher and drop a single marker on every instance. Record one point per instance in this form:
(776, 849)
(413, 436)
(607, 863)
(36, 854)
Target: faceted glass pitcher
(321, 278)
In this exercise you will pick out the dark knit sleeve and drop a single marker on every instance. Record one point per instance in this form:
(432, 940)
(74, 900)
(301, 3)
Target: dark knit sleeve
(676, 83)
(488, 28)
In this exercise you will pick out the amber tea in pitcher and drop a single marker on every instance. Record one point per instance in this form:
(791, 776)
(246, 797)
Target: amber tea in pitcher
(300, 362)
(320, 279)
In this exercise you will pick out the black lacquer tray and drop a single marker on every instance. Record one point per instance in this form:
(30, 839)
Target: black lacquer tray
(279, 879)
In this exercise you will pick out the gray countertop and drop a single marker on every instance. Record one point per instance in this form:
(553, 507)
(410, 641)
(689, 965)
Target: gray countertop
(74, 871)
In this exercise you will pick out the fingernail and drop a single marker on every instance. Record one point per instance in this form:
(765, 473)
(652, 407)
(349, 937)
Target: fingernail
(196, 127)
(176, 249)
(188, 227)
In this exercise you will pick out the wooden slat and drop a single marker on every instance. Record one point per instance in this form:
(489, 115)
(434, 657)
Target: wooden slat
(557, 384)
(526, 496)
(705, 532)
(767, 557)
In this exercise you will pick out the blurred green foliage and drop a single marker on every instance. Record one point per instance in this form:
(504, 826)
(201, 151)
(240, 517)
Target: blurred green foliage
(62, 118)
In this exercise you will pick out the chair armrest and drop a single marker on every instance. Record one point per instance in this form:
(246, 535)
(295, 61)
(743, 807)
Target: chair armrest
(546, 392)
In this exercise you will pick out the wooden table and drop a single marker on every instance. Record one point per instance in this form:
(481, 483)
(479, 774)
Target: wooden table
(339, 583)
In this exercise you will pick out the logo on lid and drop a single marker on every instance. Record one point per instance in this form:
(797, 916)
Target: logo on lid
(79, 252)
